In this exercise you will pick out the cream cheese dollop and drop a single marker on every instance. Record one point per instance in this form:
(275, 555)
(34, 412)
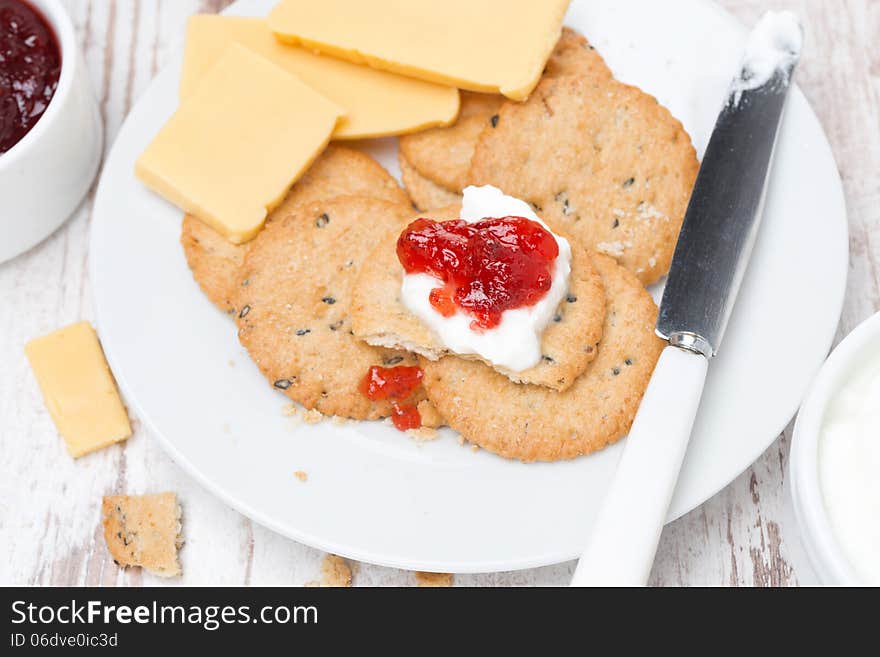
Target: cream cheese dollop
(515, 344)
(849, 468)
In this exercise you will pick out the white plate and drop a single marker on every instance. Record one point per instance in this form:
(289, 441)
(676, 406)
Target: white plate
(376, 495)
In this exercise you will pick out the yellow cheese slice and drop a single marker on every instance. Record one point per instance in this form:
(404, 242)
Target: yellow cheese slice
(376, 103)
(78, 388)
(496, 46)
(238, 142)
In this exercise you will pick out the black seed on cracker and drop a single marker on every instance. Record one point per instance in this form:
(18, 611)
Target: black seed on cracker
(329, 300)
(282, 384)
(616, 223)
(494, 120)
(629, 182)
(336, 325)
(322, 221)
(557, 318)
(628, 361)
(394, 360)
(571, 298)
(303, 331)
(548, 359)
(615, 371)
(244, 311)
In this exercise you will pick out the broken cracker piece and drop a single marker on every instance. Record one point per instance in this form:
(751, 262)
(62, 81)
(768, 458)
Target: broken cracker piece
(144, 530)
(302, 475)
(335, 571)
(433, 579)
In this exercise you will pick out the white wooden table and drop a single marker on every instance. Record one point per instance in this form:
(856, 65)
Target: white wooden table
(49, 504)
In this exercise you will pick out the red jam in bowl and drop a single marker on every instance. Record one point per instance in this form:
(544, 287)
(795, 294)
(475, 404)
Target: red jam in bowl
(397, 384)
(30, 65)
(487, 267)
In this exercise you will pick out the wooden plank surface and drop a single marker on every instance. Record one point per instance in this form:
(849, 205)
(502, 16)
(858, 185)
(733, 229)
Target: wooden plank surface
(49, 505)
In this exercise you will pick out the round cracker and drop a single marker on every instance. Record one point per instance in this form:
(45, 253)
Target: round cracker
(213, 260)
(532, 423)
(426, 195)
(294, 298)
(603, 161)
(443, 155)
(339, 171)
(573, 55)
(568, 344)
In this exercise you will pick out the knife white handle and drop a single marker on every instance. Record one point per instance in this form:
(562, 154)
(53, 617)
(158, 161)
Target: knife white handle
(625, 535)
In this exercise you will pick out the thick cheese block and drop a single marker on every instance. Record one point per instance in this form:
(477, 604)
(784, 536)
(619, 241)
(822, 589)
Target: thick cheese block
(495, 46)
(238, 142)
(78, 388)
(376, 103)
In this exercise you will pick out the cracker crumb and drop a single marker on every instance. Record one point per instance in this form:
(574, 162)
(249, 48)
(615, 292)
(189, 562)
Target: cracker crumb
(290, 410)
(335, 571)
(302, 475)
(312, 416)
(434, 579)
(339, 420)
(430, 415)
(475, 448)
(422, 433)
(461, 440)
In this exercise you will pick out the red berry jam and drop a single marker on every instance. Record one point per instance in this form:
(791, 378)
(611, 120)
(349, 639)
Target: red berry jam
(397, 384)
(405, 416)
(487, 267)
(30, 65)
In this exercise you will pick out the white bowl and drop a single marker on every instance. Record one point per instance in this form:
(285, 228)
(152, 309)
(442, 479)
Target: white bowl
(46, 174)
(825, 553)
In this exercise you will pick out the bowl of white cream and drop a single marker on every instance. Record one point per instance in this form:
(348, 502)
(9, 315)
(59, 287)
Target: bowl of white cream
(835, 462)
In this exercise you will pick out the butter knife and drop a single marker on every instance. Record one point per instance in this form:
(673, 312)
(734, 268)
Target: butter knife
(710, 259)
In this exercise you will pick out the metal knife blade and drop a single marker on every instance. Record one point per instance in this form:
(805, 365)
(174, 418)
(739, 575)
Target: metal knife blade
(722, 218)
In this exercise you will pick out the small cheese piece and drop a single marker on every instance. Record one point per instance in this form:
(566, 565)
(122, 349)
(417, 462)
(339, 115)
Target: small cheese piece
(238, 142)
(494, 46)
(376, 103)
(78, 388)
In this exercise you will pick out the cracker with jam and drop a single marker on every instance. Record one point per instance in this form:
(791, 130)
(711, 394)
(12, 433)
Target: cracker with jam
(294, 303)
(568, 344)
(535, 423)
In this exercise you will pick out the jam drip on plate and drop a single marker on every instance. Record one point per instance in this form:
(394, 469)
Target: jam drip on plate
(487, 267)
(397, 384)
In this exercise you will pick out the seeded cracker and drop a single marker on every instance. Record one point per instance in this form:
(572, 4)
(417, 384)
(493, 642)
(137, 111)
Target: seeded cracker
(436, 163)
(426, 195)
(602, 161)
(144, 530)
(294, 302)
(568, 343)
(532, 423)
(443, 155)
(339, 171)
